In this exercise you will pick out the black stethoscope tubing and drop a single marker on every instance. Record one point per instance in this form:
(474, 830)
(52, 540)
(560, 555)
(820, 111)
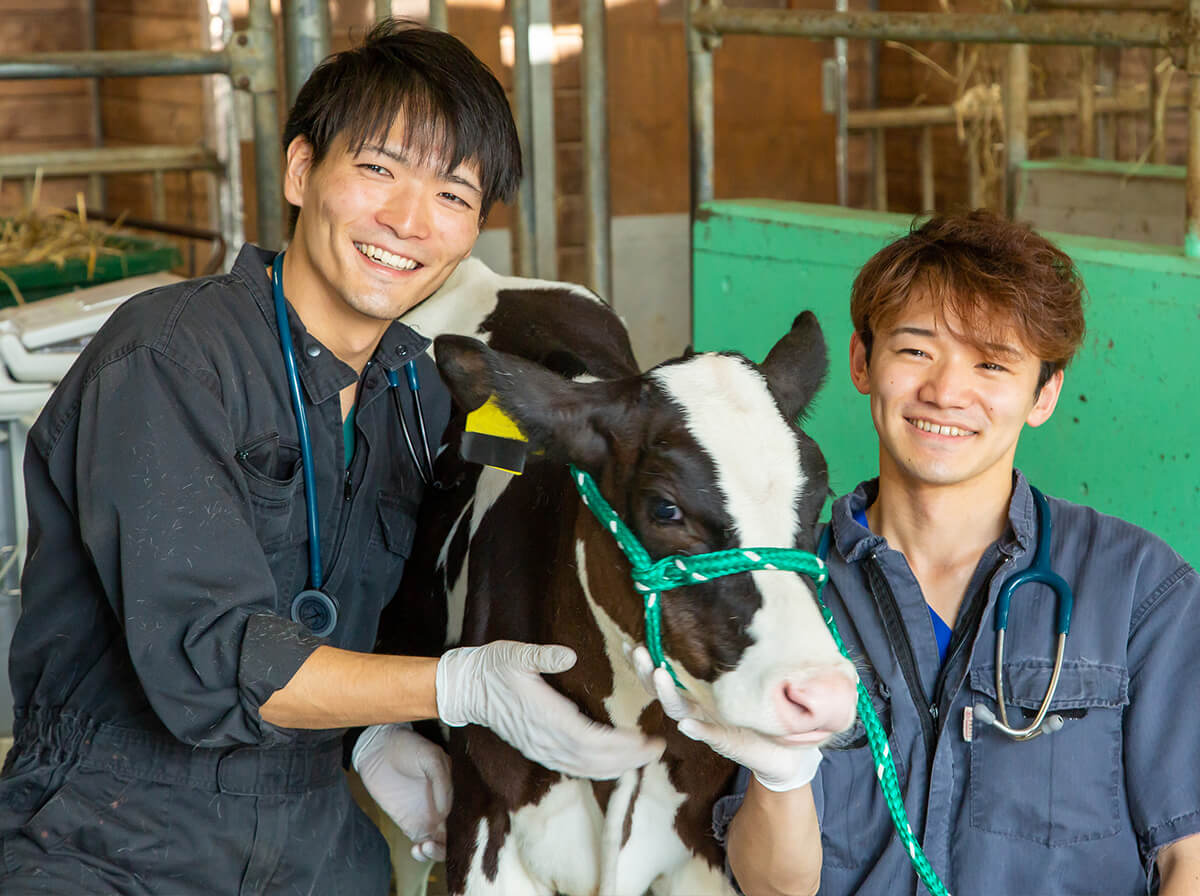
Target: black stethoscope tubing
(313, 606)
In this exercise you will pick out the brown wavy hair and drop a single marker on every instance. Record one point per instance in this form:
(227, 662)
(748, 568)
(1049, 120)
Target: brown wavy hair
(992, 274)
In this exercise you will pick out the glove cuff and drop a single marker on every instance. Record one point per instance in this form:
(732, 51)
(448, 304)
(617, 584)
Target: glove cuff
(448, 688)
(370, 736)
(807, 761)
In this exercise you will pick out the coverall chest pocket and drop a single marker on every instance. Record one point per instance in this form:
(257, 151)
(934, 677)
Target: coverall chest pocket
(856, 825)
(391, 540)
(273, 477)
(1055, 789)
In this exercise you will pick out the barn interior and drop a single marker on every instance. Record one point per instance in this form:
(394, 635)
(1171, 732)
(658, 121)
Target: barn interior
(708, 168)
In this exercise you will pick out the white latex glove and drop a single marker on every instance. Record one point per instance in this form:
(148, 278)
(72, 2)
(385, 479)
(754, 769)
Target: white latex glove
(500, 686)
(409, 777)
(777, 765)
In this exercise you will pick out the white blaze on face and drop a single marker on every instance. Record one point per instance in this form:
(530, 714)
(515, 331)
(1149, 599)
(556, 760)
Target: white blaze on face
(730, 412)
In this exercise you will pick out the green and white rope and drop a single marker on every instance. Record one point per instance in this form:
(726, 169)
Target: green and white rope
(651, 578)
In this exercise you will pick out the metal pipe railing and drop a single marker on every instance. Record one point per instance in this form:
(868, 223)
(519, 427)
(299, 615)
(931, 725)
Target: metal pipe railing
(523, 103)
(1170, 30)
(114, 64)
(306, 40)
(249, 60)
(1134, 29)
(598, 234)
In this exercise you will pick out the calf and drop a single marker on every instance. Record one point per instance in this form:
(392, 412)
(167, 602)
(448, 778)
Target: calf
(697, 455)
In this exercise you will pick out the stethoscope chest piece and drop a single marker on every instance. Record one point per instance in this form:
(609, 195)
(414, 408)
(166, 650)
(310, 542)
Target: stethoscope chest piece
(315, 610)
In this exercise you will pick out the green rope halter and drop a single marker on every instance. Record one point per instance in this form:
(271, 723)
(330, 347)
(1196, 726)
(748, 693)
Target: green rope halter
(651, 578)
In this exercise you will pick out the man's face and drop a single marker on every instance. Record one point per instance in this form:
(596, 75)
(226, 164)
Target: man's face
(376, 233)
(947, 413)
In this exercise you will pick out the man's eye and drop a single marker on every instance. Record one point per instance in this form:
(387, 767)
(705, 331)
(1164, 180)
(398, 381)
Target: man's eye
(453, 197)
(663, 511)
(374, 169)
(991, 365)
(915, 352)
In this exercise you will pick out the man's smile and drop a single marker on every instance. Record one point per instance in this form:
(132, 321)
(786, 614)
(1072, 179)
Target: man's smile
(386, 258)
(939, 429)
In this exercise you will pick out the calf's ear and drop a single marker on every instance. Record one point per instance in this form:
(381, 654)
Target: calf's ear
(795, 368)
(568, 421)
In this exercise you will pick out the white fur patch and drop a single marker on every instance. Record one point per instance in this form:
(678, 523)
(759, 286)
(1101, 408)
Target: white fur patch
(730, 412)
(491, 486)
(468, 296)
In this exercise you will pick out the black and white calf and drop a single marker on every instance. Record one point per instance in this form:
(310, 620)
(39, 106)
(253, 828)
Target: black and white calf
(699, 454)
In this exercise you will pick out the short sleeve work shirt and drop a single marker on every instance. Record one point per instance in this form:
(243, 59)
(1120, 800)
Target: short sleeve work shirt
(1081, 811)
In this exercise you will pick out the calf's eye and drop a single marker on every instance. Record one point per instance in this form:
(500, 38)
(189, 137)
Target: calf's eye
(663, 511)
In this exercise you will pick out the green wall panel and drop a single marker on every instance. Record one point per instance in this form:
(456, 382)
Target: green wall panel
(1125, 437)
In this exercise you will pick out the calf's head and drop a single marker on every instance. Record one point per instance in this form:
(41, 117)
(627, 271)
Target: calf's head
(700, 454)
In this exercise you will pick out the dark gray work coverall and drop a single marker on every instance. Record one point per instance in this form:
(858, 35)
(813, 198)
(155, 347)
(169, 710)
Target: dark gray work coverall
(167, 539)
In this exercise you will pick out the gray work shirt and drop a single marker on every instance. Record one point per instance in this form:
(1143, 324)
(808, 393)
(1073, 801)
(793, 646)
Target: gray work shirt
(1080, 811)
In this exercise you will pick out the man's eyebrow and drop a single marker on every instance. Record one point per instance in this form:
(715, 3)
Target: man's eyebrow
(913, 331)
(403, 158)
(464, 182)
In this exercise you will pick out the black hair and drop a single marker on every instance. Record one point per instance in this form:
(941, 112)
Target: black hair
(454, 109)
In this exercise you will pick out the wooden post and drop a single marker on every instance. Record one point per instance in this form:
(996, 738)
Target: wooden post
(1087, 102)
(926, 163)
(879, 187)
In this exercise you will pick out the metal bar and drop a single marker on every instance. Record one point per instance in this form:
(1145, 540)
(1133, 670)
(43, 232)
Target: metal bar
(97, 192)
(306, 40)
(920, 116)
(108, 160)
(1110, 5)
(439, 16)
(879, 197)
(595, 148)
(842, 137)
(1087, 102)
(114, 64)
(1191, 237)
(542, 143)
(1016, 121)
(264, 89)
(1132, 29)
(523, 101)
(702, 132)
(926, 163)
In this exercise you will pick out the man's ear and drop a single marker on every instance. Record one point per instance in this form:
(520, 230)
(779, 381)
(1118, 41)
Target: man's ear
(298, 165)
(1046, 401)
(859, 373)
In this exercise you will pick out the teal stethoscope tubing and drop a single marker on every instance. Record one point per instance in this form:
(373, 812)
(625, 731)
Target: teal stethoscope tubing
(326, 606)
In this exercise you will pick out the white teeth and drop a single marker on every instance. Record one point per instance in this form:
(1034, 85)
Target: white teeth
(934, 428)
(399, 262)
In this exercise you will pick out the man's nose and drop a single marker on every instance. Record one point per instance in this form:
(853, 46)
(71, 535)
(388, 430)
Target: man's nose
(946, 385)
(407, 213)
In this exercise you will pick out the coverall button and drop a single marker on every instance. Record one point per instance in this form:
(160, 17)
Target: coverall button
(314, 351)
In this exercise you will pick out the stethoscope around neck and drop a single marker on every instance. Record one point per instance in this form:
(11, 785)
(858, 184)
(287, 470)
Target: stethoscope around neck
(313, 607)
(1039, 572)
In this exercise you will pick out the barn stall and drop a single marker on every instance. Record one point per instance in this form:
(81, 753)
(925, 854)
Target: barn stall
(708, 169)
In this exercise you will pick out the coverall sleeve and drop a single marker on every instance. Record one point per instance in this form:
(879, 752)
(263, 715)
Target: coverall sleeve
(1162, 729)
(165, 513)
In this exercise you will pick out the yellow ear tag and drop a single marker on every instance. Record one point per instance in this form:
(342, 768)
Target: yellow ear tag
(493, 439)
